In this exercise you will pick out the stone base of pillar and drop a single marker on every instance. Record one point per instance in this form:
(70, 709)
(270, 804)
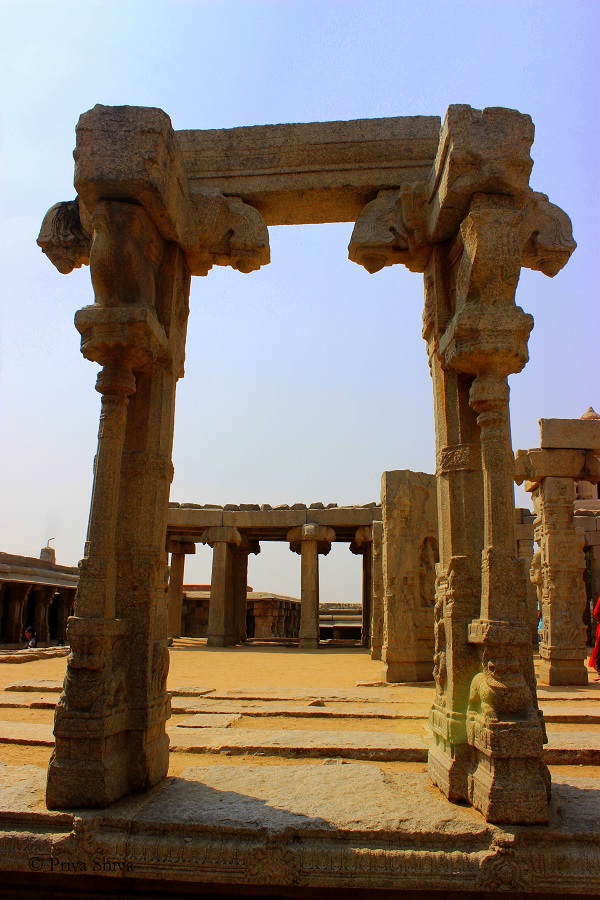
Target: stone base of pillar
(105, 747)
(219, 640)
(398, 672)
(450, 759)
(562, 671)
(308, 644)
(510, 783)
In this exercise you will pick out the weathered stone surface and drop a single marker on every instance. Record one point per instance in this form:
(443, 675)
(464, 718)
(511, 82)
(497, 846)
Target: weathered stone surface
(209, 720)
(27, 700)
(410, 554)
(298, 825)
(303, 743)
(571, 434)
(39, 686)
(26, 733)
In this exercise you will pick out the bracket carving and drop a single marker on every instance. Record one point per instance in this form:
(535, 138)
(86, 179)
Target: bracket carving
(66, 236)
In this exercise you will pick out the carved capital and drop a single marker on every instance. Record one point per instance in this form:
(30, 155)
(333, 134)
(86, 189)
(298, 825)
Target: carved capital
(488, 332)
(389, 231)
(225, 231)
(64, 237)
(547, 235)
(322, 534)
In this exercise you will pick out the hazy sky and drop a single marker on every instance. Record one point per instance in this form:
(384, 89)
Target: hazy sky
(306, 380)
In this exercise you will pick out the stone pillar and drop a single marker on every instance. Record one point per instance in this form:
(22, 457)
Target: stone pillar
(65, 600)
(178, 550)
(310, 540)
(221, 617)
(409, 509)
(470, 231)
(377, 591)
(549, 474)
(240, 586)
(43, 598)
(137, 224)
(362, 545)
(17, 600)
(525, 551)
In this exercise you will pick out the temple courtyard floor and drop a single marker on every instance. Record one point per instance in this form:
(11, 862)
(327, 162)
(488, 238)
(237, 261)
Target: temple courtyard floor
(292, 773)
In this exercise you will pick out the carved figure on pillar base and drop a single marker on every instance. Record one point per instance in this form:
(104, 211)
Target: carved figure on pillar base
(309, 541)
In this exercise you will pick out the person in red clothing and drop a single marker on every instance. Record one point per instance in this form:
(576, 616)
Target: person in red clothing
(594, 660)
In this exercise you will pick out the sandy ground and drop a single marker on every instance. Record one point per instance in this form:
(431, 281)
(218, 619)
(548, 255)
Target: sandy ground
(252, 669)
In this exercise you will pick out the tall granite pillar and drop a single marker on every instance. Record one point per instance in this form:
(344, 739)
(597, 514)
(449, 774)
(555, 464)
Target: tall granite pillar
(143, 232)
(549, 474)
(362, 545)
(470, 231)
(43, 598)
(377, 590)
(240, 586)
(178, 550)
(309, 541)
(16, 602)
(221, 615)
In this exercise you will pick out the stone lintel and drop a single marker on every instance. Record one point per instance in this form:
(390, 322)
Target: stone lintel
(532, 466)
(175, 545)
(570, 434)
(312, 173)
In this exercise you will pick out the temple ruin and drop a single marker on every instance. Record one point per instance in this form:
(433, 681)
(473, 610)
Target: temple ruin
(448, 200)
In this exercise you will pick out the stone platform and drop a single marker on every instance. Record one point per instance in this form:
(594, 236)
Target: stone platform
(301, 827)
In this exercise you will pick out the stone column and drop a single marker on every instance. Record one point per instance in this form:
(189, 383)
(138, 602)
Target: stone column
(137, 224)
(221, 617)
(549, 474)
(525, 551)
(43, 598)
(362, 545)
(470, 231)
(17, 601)
(65, 600)
(178, 550)
(240, 586)
(310, 540)
(409, 509)
(377, 591)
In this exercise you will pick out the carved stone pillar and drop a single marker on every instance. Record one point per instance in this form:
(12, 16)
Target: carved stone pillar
(143, 232)
(43, 598)
(309, 541)
(362, 545)
(377, 591)
(549, 476)
(409, 509)
(17, 600)
(470, 229)
(221, 616)
(240, 586)
(525, 551)
(178, 550)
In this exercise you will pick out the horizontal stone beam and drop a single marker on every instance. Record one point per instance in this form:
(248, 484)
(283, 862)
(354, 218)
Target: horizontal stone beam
(313, 173)
(570, 434)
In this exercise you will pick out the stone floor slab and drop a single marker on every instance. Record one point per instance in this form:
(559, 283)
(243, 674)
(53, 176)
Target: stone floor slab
(26, 733)
(42, 686)
(27, 700)
(302, 743)
(209, 720)
(344, 826)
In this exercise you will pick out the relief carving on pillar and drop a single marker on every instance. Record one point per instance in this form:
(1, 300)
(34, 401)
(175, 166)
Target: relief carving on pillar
(95, 681)
(499, 692)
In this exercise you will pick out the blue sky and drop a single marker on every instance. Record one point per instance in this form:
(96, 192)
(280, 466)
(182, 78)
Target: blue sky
(306, 380)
